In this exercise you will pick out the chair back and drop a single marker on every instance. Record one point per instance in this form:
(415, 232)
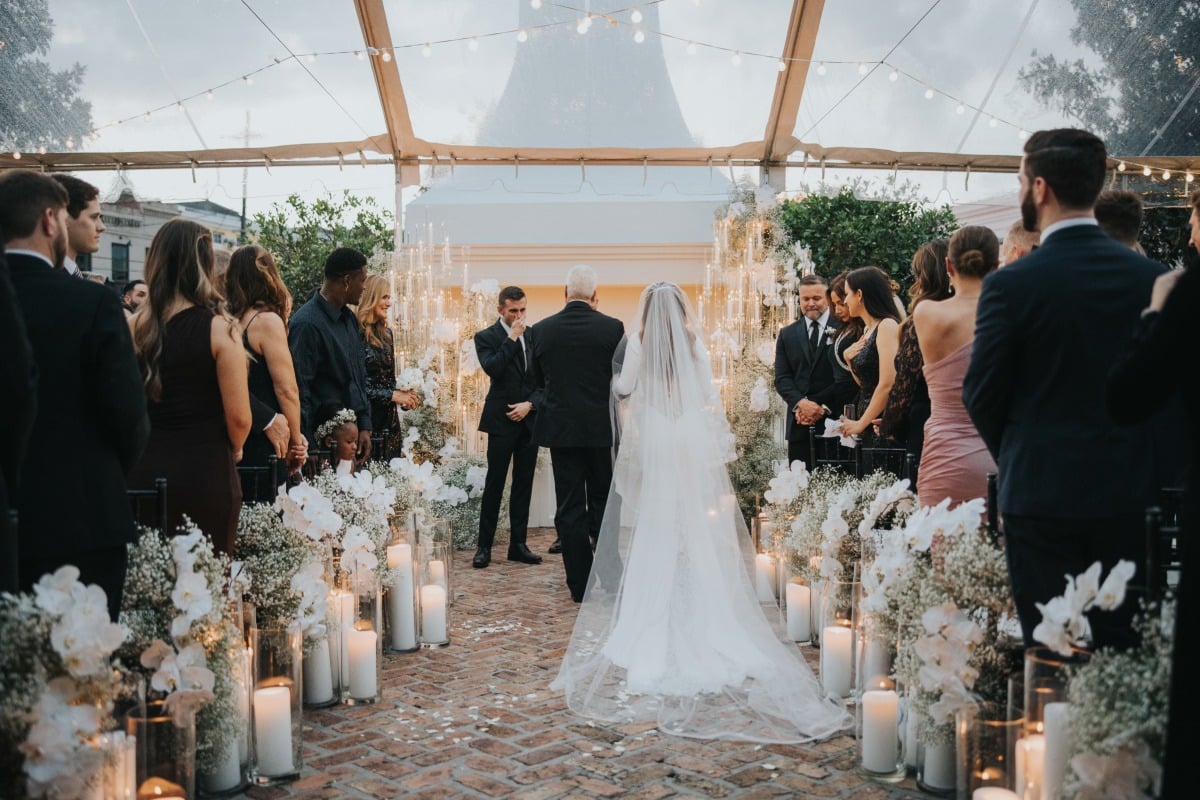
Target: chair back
(874, 457)
(828, 452)
(992, 508)
(319, 458)
(259, 483)
(379, 448)
(150, 506)
(1163, 558)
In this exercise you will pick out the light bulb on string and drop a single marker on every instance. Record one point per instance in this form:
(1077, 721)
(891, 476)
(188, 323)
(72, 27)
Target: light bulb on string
(208, 95)
(535, 4)
(782, 65)
(179, 106)
(928, 92)
(1189, 177)
(1146, 171)
(736, 58)
(42, 151)
(862, 68)
(312, 57)
(146, 117)
(894, 75)
(427, 51)
(387, 55)
(639, 37)
(821, 68)
(358, 54)
(1121, 167)
(522, 35)
(17, 155)
(473, 43)
(691, 48)
(960, 109)
(69, 142)
(583, 26)
(991, 122)
(636, 16)
(1166, 174)
(1022, 134)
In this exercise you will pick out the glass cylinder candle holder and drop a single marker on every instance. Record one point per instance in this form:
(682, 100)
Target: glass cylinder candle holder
(765, 566)
(165, 748)
(363, 643)
(341, 622)
(1045, 681)
(798, 601)
(229, 773)
(880, 730)
(117, 776)
(911, 728)
(813, 573)
(986, 749)
(838, 637)
(321, 665)
(400, 590)
(937, 772)
(433, 594)
(275, 703)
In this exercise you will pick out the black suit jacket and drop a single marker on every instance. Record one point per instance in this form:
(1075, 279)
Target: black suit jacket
(91, 424)
(512, 382)
(573, 354)
(802, 372)
(1048, 328)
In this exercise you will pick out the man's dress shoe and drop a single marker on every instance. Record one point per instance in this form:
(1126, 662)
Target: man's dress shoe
(520, 552)
(556, 547)
(483, 557)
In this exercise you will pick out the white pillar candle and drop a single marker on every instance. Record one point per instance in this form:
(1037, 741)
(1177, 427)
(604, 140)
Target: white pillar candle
(403, 633)
(437, 573)
(764, 577)
(241, 690)
(316, 673)
(798, 598)
(227, 772)
(273, 730)
(343, 604)
(994, 793)
(1031, 760)
(1058, 748)
(880, 737)
(939, 772)
(433, 613)
(875, 661)
(362, 650)
(835, 660)
(912, 733)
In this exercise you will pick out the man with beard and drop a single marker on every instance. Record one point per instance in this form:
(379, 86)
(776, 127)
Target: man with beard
(1073, 487)
(90, 425)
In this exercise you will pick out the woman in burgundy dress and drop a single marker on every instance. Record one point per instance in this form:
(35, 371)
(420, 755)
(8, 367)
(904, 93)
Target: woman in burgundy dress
(191, 356)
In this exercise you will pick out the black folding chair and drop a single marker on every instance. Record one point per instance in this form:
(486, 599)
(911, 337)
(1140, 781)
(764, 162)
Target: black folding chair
(319, 459)
(1163, 560)
(379, 448)
(150, 505)
(259, 483)
(993, 508)
(873, 457)
(828, 452)
(910, 470)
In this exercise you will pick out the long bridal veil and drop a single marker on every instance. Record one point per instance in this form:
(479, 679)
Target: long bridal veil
(670, 628)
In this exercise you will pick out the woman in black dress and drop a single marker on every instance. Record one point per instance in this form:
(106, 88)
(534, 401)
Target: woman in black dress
(380, 356)
(873, 357)
(261, 302)
(194, 367)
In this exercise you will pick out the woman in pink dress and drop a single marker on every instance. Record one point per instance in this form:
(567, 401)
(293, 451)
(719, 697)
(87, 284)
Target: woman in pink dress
(955, 462)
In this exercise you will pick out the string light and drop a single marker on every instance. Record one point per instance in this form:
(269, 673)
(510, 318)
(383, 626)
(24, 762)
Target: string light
(535, 4)
(584, 25)
(960, 109)
(208, 95)
(1166, 174)
(1022, 134)
(862, 68)
(179, 106)
(247, 79)
(1121, 167)
(146, 117)
(991, 122)
(928, 92)
(17, 155)
(473, 43)
(782, 65)
(1189, 177)
(736, 58)
(427, 51)
(358, 54)
(522, 35)
(387, 56)
(894, 76)
(639, 37)
(691, 48)
(821, 68)
(636, 16)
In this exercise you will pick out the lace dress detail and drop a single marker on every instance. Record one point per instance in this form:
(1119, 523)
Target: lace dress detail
(908, 403)
(866, 368)
(381, 382)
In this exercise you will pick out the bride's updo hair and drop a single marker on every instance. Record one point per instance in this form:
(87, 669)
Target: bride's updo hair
(974, 251)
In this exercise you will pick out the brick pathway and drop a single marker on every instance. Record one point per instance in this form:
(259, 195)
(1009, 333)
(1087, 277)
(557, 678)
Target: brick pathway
(476, 720)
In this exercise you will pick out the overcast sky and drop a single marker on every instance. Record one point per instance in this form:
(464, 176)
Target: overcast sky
(189, 46)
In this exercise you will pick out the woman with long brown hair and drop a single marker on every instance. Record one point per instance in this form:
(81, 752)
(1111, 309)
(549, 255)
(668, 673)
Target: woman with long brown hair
(380, 356)
(194, 371)
(261, 302)
(869, 296)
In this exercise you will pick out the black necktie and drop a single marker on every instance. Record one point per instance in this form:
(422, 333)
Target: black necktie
(814, 329)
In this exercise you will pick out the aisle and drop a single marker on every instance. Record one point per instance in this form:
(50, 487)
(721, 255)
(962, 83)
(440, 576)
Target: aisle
(476, 720)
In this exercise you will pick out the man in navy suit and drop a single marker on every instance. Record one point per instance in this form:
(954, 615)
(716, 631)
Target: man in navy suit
(1073, 486)
(804, 374)
(573, 354)
(90, 426)
(507, 419)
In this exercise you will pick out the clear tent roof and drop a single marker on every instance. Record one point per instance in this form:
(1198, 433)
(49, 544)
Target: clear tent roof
(737, 82)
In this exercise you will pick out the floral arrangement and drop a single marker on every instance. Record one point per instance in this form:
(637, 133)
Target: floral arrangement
(58, 680)
(411, 379)
(940, 587)
(1064, 622)
(274, 555)
(755, 414)
(1119, 707)
(460, 503)
(182, 638)
(361, 503)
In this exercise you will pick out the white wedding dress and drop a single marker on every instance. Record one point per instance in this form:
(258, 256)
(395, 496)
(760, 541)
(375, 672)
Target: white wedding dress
(670, 629)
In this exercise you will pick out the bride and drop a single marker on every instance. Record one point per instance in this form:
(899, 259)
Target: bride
(670, 629)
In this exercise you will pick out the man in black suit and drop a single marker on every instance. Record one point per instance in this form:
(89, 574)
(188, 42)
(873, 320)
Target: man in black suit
(1073, 487)
(84, 224)
(18, 402)
(507, 419)
(573, 355)
(91, 425)
(804, 374)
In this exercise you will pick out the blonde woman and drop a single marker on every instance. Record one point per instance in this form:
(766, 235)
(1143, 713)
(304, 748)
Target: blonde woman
(380, 356)
(194, 372)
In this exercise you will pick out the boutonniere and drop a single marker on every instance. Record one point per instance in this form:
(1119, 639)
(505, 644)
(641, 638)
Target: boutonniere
(829, 334)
